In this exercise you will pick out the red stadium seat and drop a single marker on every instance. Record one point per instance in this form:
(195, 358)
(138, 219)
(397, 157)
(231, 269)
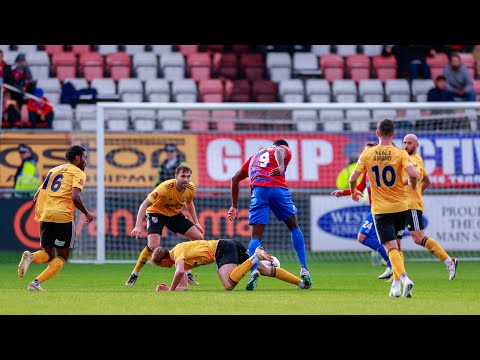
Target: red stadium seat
(215, 48)
(358, 67)
(199, 124)
(65, 72)
(91, 65)
(211, 90)
(439, 60)
(238, 91)
(80, 49)
(53, 49)
(226, 116)
(188, 49)
(199, 66)
(385, 67)
(332, 66)
(435, 71)
(252, 66)
(118, 72)
(240, 49)
(64, 65)
(225, 65)
(264, 91)
(92, 72)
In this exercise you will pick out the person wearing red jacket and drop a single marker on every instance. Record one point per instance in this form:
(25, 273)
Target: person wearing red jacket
(367, 235)
(40, 112)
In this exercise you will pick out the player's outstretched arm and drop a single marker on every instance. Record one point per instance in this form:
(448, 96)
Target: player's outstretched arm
(137, 230)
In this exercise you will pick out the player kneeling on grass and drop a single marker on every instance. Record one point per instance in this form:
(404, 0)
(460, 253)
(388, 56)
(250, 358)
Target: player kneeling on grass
(231, 257)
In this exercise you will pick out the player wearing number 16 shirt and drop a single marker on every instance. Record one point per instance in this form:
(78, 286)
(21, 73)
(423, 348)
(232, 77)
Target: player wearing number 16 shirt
(385, 164)
(269, 191)
(55, 203)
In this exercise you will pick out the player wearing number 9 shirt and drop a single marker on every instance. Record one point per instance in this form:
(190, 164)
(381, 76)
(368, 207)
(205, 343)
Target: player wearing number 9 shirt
(55, 203)
(269, 191)
(385, 164)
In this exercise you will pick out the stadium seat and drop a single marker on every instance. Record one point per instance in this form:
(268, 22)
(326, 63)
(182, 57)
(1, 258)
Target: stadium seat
(51, 89)
(469, 61)
(53, 49)
(186, 50)
(170, 120)
(358, 67)
(143, 119)
(476, 88)
(345, 50)
(215, 48)
(359, 119)
(306, 120)
(317, 90)
(380, 114)
(238, 91)
(145, 65)
(27, 48)
(134, 49)
(184, 90)
(225, 66)
(305, 64)
(157, 90)
(279, 66)
(224, 120)
(252, 66)
(240, 49)
(91, 65)
(78, 83)
(397, 90)
(384, 67)
(420, 88)
(332, 120)
(64, 65)
(130, 90)
(86, 117)
(80, 49)
(161, 49)
(332, 66)
(344, 90)
(211, 90)
(197, 120)
(172, 66)
(105, 49)
(118, 65)
(106, 89)
(370, 90)
(372, 50)
(264, 91)
(199, 66)
(291, 90)
(321, 49)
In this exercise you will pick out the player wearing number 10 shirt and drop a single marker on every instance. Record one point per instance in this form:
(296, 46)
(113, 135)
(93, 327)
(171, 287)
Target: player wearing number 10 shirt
(385, 164)
(55, 203)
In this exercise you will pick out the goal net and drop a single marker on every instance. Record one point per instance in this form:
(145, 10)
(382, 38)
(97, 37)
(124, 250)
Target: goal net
(127, 145)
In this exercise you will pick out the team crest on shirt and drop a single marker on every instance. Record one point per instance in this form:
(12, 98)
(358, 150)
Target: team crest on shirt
(414, 164)
(155, 195)
(80, 182)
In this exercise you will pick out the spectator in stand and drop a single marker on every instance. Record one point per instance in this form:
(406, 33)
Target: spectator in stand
(459, 79)
(168, 167)
(10, 113)
(411, 60)
(22, 79)
(440, 92)
(40, 111)
(5, 70)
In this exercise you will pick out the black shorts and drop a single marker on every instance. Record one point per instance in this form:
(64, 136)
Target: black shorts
(390, 226)
(58, 235)
(230, 252)
(177, 223)
(415, 220)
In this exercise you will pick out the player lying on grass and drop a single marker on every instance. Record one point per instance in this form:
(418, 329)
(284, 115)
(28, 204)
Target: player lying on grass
(231, 257)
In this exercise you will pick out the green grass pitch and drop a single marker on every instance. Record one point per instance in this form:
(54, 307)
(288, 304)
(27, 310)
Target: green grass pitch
(340, 288)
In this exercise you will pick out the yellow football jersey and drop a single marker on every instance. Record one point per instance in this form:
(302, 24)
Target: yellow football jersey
(385, 166)
(195, 252)
(415, 198)
(54, 202)
(167, 200)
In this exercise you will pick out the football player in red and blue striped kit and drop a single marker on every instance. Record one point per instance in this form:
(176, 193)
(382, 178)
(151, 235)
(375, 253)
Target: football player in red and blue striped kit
(269, 191)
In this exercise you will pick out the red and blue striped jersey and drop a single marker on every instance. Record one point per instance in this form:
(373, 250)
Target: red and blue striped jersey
(259, 165)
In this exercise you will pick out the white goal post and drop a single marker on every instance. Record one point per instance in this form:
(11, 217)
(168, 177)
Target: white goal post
(449, 148)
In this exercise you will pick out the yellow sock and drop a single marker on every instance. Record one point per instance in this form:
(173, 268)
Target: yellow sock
(40, 257)
(143, 258)
(284, 275)
(434, 247)
(52, 269)
(397, 263)
(240, 271)
(395, 275)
